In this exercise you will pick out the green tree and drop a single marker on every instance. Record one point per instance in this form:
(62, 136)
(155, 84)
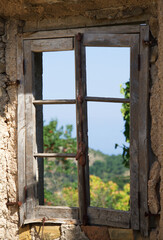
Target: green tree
(111, 168)
(108, 195)
(125, 110)
(58, 172)
(57, 139)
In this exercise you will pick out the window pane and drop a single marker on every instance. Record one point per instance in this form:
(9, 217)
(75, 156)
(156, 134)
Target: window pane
(60, 182)
(109, 178)
(59, 128)
(58, 75)
(107, 69)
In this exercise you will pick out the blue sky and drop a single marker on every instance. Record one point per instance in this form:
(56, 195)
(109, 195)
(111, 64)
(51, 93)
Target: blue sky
(107, 68)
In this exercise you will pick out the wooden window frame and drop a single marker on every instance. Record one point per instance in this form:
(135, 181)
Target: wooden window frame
(132, 36)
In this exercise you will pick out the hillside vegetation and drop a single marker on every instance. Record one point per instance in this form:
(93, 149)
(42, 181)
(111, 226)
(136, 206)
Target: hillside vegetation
(108, 168)
(109, 178)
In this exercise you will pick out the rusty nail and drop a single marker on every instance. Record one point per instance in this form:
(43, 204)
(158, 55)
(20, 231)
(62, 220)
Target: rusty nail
(10, 83)
(14, 203)
(43, 221)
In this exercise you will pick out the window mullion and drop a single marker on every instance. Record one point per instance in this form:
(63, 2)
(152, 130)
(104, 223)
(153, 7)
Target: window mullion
(82, 142)
(30, 163)
(37, 89)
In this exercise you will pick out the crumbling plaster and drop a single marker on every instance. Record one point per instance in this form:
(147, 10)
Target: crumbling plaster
(8, 137)
(33, 15)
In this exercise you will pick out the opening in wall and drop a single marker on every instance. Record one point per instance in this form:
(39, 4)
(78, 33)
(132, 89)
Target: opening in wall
(99, 118)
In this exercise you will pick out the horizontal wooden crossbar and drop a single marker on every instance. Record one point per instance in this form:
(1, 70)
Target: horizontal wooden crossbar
(89, 99)
(105, 99)
(56, 101)
(64, 155)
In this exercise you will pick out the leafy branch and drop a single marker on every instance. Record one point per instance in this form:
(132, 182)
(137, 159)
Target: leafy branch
(125, 110)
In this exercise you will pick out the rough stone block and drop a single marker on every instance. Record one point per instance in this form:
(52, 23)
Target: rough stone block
(2, 67)
(3, 79)
(154, 234)
(138, 236)
(121, 234)
(130, 12)
(154, 177)
(2, 45)
(2, 232)
(154, 54)
(153, 23)
(154, 73)
(11, 234)
(49, 232)
(2, 53)
(96, 233)
(24, 233)
(155, 110)
(72, 232)
(2, 27)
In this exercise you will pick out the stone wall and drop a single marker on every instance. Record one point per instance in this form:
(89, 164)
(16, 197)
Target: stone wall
(8, 138)
(35, 15)
(71, 232)
(160, 113)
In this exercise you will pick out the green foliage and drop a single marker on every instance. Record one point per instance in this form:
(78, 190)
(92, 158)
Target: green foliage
(58, 172)
(111, 168)
(107, 189)
(70, 195)
(108, 195)
(58, 140)
(125, 110)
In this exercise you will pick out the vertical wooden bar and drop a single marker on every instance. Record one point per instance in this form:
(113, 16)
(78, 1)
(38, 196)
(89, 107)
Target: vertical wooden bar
(83, 171)
(134, 127)
(21, 130)
(144, 129)
(31, 164)
(37, 83)
(85, 124)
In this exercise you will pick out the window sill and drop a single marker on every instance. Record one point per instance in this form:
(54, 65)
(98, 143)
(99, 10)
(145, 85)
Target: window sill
(68, 215)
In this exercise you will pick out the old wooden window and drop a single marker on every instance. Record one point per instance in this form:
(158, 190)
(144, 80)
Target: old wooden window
(30, 125)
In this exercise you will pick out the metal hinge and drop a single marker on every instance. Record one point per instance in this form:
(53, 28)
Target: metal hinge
(139, 61)
(150, 43)
(148, 214)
